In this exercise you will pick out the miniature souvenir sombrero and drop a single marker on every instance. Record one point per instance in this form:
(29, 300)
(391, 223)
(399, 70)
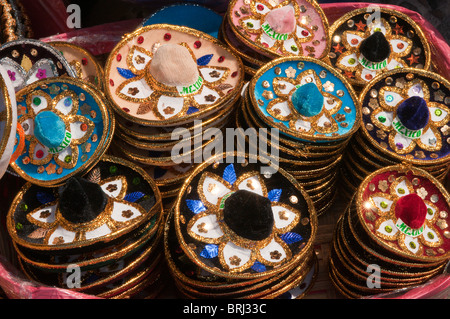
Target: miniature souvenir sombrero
(85, 64)
(107, 222)
(398, 219)
(411, 106)
(406, 118)
(65, 127)
(29, 60)
(280, 28)
(367, 42)
(210, 255)
(114, 199)
(8, 120)
(237, 219)
(315, 171)
(313, 110)
(166, 75)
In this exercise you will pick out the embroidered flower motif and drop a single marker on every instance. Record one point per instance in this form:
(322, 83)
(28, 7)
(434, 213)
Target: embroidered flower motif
(378, 35)
(405, 135)
(118, 213)
(175, 92)
(53, 129)
(278, 26)
(41, 74)
(303, 103)
(406, 216)
(213, 225)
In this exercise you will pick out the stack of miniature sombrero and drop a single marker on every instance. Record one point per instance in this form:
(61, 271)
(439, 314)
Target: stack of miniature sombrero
(370, 41)
(305, 112)
(99, 233)
(167, 85)
(241, 229)
(259, 31)
(59, 126)
(394, 234)
(63, 123)
(64, 127)
(406, 118)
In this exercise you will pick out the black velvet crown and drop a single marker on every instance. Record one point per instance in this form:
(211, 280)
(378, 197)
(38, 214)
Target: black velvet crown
(249, 215)
(81, 201)
(375, 48)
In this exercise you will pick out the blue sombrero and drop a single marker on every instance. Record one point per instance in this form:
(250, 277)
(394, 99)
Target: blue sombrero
(65, 129)
(305, 99)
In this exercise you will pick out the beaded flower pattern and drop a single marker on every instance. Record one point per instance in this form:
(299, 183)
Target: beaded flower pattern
(287, 40)
(236, 253)
(393, 228)
(167, 101)
(282, 108)
(402, 140)
(53, 129)
(360, 68)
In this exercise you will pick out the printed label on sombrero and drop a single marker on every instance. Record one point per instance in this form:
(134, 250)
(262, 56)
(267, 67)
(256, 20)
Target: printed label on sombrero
(405, 229)
(272, 33)
(65, 143)
(191, 89)
(372, 65)
(401, 129)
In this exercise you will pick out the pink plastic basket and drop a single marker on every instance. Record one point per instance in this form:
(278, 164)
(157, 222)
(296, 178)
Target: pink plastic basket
(102, 39)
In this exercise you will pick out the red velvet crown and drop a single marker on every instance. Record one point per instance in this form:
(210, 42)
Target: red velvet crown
(412, 210)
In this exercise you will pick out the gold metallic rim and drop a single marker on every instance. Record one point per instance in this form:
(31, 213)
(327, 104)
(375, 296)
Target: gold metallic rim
(126, 38)
(180, 277)
(242, 55)
(8, 118)
(306, 146)
(134, 282)
(216, 117)
(98, 260)
(92, 58)
(387, 277)
(304, 151)
(165, 161)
